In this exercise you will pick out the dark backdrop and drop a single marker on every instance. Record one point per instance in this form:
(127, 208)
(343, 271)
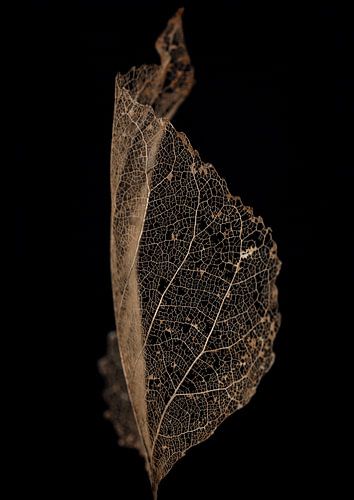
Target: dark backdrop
(272, 111)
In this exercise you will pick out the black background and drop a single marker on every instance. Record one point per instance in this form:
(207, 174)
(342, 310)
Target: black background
(272, 110)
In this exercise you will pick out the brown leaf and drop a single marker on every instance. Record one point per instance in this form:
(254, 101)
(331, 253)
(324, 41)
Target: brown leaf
(193, 273)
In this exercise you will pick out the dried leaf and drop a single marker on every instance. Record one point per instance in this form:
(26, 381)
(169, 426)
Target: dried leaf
(193, 273)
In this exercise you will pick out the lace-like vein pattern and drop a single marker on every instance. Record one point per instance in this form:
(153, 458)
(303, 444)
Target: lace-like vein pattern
(193, 270)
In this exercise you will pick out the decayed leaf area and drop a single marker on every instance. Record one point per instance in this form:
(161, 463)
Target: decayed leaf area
(193, 273)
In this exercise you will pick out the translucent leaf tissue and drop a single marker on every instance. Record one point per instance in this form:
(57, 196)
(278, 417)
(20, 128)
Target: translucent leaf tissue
(193, 274)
